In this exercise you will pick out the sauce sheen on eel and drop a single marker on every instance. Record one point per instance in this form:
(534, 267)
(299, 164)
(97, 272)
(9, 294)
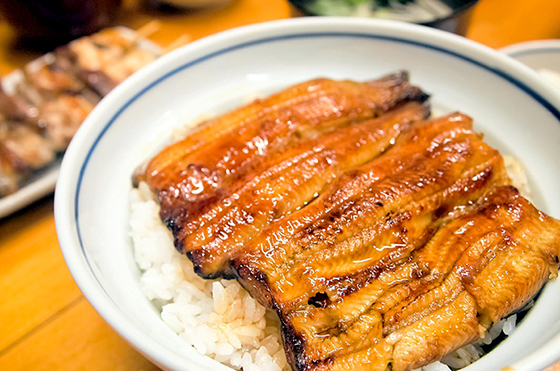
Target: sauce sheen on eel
(382, 240)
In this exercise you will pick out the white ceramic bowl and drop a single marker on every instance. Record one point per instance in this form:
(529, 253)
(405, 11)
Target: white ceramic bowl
(516, 110)
(536, 54)
(541, 55)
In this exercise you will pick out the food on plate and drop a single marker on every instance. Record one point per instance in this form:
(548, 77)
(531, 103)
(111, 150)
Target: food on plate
(382, 240)
(106, 58)
(53, 77)
(43, 105)
(22, 150)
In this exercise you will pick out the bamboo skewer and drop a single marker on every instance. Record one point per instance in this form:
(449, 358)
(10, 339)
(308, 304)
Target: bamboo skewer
(184, 39)
(149, 28)
(153, 26)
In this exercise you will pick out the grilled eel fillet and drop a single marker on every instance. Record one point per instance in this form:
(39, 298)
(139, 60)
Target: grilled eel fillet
(382, 241)
(251, 151)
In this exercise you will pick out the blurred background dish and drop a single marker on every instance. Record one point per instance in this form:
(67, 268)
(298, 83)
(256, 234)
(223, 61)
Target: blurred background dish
(43, 104)
(53, 22)
(187, 4)
(543, 56)
(449, 15)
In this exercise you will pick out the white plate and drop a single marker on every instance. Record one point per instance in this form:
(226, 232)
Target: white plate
(43, 181)
(38, 186)
(518, 113)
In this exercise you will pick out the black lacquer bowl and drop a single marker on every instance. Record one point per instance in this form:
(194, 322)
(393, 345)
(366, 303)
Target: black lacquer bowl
(457, 21)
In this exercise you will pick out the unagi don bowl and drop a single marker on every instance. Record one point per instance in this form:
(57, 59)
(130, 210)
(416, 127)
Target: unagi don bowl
(518, 113)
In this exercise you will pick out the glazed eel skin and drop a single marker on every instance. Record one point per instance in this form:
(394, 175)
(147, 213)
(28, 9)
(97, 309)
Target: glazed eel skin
(383, 240)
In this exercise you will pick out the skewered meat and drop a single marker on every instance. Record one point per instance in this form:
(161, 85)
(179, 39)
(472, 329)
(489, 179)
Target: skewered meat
(129, 59)
(105, 59)
(97, 80)
(50, 97)
(61, 118)
(13, 109)
(55, 77)
(28, 149)
(383, 241)
(56, 115)
(22, 150)
(52, 79)
(28, 92)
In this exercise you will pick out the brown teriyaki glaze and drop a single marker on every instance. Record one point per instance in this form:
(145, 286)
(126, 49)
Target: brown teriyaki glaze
(382, 240)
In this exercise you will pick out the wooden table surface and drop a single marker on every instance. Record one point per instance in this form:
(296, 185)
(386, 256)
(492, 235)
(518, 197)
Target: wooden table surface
(45, 321)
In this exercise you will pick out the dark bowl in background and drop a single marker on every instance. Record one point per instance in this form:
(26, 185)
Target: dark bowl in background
(45, 24)
(457, 22)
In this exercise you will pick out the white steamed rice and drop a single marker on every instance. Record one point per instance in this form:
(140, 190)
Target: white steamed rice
(219, 318)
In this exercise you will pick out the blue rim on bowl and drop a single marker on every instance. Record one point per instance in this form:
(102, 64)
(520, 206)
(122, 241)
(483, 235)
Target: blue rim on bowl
(98, 125)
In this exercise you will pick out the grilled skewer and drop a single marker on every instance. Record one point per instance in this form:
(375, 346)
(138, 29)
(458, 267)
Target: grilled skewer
(43, 105)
